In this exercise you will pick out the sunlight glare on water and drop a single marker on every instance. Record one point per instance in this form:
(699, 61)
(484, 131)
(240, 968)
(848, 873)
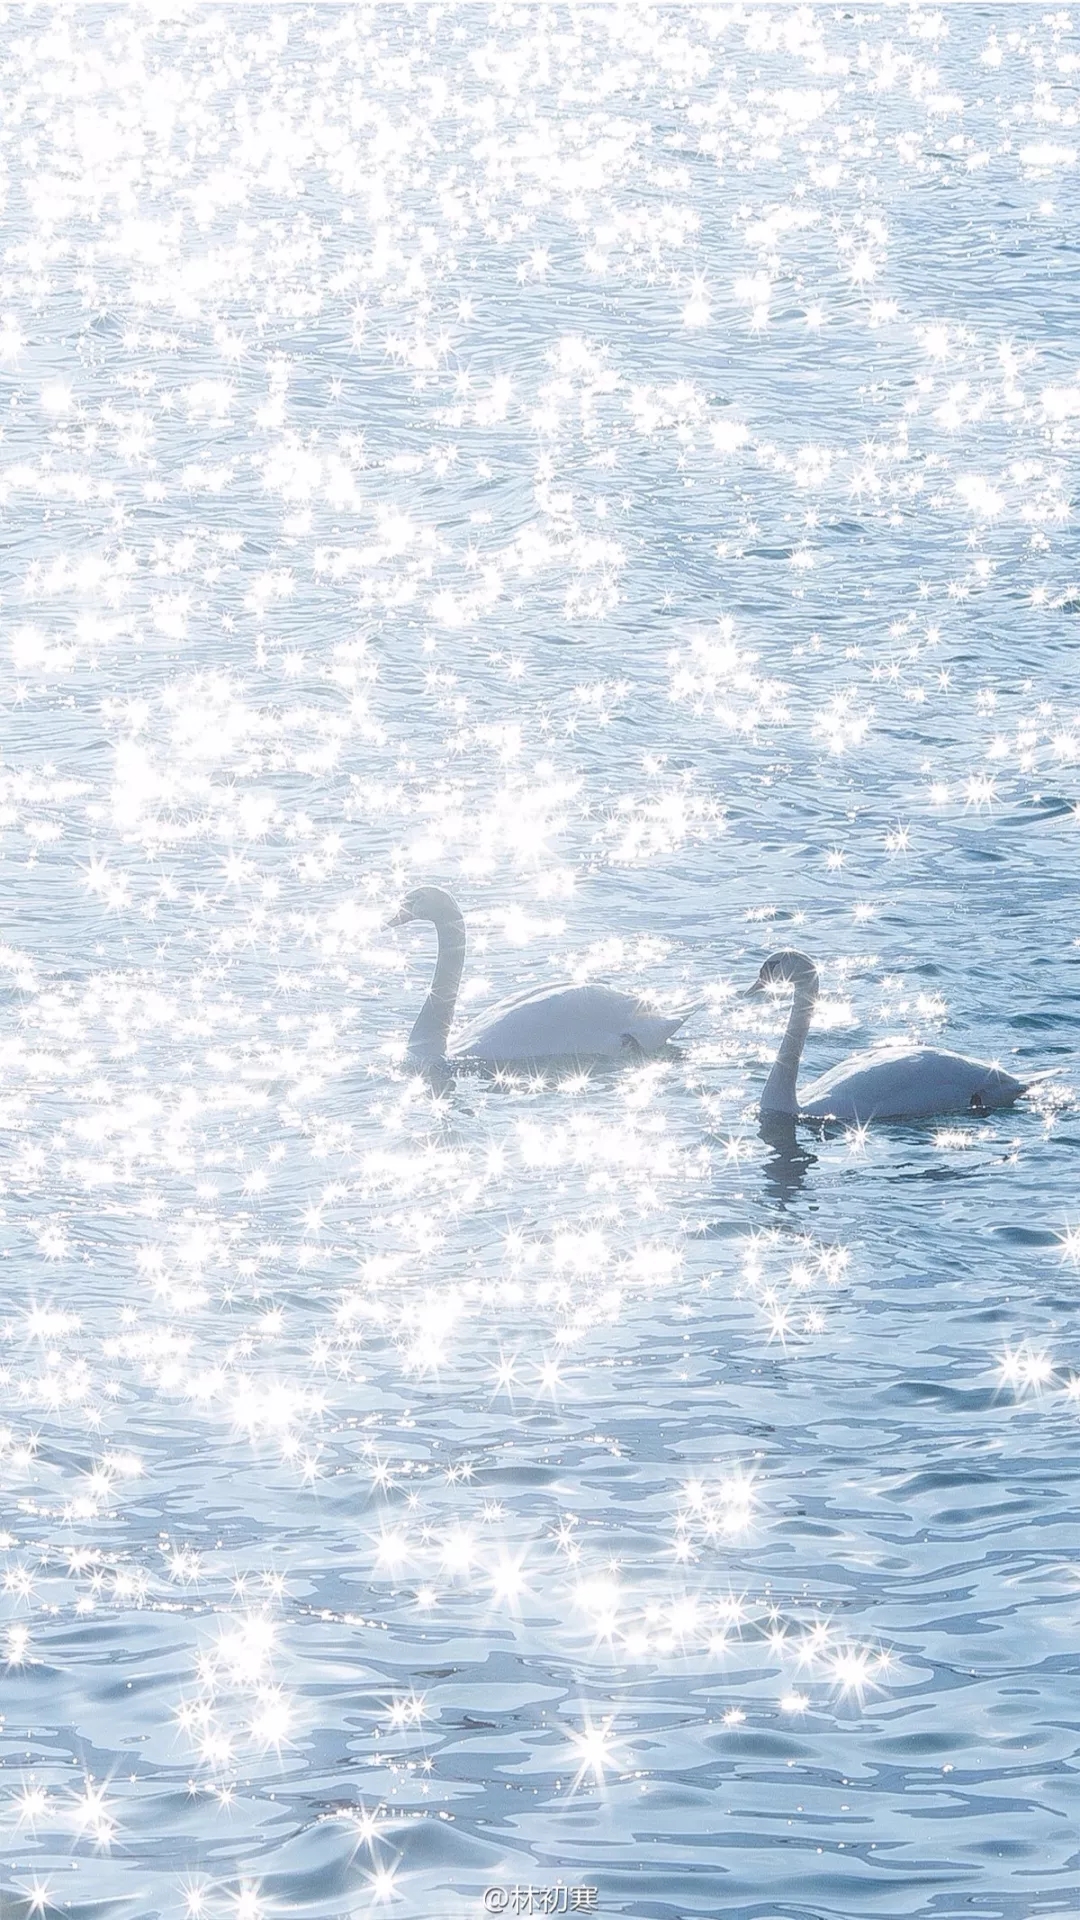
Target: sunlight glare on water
(618, 463)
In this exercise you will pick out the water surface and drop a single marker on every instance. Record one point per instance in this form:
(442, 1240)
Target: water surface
(620, 464)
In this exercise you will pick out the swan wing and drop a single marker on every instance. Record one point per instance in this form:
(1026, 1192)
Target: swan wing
(906, 1083)
(564, 1023)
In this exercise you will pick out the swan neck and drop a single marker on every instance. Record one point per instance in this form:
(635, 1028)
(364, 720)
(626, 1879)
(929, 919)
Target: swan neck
(781, 1088)
(432, 1027)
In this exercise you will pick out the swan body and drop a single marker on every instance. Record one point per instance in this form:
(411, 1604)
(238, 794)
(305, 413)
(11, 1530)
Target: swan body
(591, 1022)
(551, 1023)
(884, 1083)
(900, 1083)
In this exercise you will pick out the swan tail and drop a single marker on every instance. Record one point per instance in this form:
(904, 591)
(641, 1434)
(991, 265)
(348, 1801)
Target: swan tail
(1039, 1079)
(673, 1021)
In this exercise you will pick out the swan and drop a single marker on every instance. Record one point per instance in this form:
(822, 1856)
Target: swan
(551, 1023)
(884, 1083)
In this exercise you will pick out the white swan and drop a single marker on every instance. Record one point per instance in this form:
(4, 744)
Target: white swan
(885, 1083)
(552, 1023)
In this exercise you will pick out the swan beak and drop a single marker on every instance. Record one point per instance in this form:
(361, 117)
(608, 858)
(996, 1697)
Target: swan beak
(749, 992)
(398, 919)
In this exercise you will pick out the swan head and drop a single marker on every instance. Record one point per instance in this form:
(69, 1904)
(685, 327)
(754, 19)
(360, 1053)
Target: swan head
(787, 968)
(427, 903)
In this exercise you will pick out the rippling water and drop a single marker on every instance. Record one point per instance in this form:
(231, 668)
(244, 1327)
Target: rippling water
(619, 464)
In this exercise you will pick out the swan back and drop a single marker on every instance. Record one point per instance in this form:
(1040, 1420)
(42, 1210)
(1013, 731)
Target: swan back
(591, 1022)
(907, 1083)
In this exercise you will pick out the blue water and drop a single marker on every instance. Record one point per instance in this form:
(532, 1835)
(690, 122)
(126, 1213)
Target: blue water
(620, 465)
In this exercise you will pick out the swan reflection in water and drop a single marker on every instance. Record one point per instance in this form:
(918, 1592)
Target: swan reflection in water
(789, 1159)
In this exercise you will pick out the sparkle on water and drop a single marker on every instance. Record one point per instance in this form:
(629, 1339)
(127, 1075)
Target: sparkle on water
(617, 462)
